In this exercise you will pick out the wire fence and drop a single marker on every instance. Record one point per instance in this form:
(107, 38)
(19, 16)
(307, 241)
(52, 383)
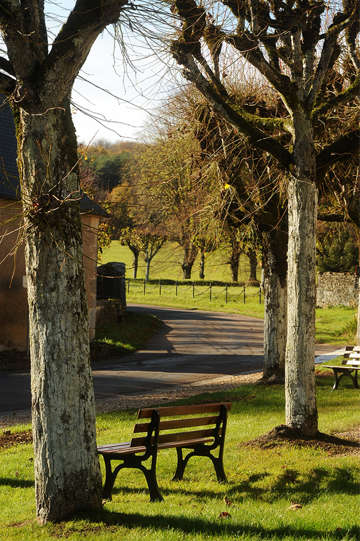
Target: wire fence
(227, 292)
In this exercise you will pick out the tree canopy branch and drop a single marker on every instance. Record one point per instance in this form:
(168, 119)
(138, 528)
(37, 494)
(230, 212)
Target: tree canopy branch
(341, 149)
(259, 138)
(350, 92)
(71, 46)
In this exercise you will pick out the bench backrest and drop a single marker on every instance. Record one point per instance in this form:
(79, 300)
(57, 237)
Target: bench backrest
(352, 356)
(174, 419)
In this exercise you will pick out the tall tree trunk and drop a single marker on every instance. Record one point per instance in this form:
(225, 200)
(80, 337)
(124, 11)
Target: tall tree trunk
(234, 257)
(190, 253)
(301, 411)
(275, 304)
(67, 473)
(147, 270)
(202, 265)
(135, 253)
(253, 264)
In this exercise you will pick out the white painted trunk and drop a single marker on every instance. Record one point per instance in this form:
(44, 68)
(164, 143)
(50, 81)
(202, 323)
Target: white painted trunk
(275, 305)
(67, 474)
(301, 411)
(275, 321)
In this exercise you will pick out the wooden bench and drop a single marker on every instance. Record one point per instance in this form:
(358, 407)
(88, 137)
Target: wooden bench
(162, 430)
(349, 367)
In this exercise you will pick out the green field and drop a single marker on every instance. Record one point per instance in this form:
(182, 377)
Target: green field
(281, 492)
(334, 325)
(167, 263)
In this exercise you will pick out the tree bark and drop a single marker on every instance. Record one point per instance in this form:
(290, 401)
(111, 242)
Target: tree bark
(234, 257)
(202, 265)
(253, 264)
(301, 411)
(147, 270)
(135, 253)
(190, 253)
(67, 473)
(275, 304)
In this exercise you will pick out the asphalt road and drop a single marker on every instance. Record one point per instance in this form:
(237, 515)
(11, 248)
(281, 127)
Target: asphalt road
(194, 346)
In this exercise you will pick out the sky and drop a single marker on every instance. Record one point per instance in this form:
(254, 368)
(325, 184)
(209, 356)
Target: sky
(114, 98)
(132, 93)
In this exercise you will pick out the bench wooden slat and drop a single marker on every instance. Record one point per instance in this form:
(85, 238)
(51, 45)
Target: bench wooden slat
(167, 411)
(128, 450)
(177, 436)
(184, 443)
(111, 446)
(178, 423)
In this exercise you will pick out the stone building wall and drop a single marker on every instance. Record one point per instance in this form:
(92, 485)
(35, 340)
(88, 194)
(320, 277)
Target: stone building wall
(13, 298)
(337, 288)
(13, 303)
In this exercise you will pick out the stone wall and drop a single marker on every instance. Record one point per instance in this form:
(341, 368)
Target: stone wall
(337, 288)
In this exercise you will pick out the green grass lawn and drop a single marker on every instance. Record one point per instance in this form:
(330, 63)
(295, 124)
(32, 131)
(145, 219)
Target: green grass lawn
(263, 483)
(167, 263)
(116, 339)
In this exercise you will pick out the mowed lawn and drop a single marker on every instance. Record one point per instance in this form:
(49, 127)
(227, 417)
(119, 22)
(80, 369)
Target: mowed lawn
(284, 491)
(335, 325)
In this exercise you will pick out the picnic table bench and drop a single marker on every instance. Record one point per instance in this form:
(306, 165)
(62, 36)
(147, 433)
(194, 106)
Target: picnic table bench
(160, 432)
(350, 366)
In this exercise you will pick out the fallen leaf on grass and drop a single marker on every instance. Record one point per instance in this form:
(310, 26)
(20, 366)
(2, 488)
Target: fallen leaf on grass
(295, 506)
(224, 514)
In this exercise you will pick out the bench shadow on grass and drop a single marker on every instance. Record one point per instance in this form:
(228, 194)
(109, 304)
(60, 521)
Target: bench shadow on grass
(216, 528)
(15, 483)
(305, 488)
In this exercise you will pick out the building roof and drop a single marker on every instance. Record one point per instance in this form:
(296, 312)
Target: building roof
(9, 176)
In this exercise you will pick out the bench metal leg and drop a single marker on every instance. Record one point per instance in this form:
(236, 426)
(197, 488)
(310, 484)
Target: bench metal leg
(338, 376)
(355, 379)
(217, 461)
(181, 463)
(219, 469)
(150, 476)
(109, 479)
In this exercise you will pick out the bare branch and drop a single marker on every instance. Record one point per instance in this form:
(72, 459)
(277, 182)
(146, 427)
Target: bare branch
(342, 149)
(72, 45)
(248, 46)
(351, 92)
(259, 138)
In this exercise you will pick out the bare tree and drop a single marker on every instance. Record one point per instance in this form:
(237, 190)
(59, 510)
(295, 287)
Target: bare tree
(289, 44)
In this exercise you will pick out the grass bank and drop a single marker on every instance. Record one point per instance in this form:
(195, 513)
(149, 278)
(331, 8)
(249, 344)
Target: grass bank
(282, 492)
(120, 338)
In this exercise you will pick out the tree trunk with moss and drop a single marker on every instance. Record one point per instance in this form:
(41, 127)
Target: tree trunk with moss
(275, 304)
(37, 76)
(190, 253)
(67, 473)
(251, 254)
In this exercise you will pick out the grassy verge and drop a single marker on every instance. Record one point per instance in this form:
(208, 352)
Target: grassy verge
(117, 339)
(264, 483)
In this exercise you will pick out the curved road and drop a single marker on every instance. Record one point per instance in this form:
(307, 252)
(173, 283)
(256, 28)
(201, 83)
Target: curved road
(194, 346)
